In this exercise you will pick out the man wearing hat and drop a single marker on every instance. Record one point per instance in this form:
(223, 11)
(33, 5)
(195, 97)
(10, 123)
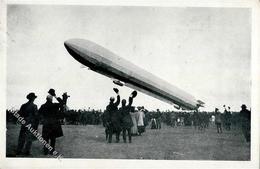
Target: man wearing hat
(51, 128)
(245, 116)
(228, 117)
(218, 120)
(158, 117)
(127, 122)
(29, 112)
(112, 118)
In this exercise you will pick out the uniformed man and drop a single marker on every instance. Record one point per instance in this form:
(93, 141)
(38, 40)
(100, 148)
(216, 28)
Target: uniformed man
(29, 112)
(127, 122)
(245, 116)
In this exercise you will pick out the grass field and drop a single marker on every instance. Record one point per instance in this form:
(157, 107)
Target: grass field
(181, 143)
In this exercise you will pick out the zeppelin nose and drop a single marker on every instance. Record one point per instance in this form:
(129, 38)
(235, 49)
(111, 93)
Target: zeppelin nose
(78, 49)
(72, 48)
(75, 45)
(68, 44)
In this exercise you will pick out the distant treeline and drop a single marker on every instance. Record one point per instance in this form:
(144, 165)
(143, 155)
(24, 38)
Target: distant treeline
(171, 118)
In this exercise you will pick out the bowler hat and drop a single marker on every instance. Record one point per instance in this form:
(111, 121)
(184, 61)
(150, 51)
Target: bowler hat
(243, 106)
(31, 96)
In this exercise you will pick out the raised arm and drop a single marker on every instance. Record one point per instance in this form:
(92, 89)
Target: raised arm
(130, 101)
(118, 96)
(117, 100)
(131, 97)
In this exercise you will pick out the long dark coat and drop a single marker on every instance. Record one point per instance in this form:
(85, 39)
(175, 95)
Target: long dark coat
(126, 120)
(245, 118)
(112, 116)
(51, 124)
(228, 117)
(29, 112)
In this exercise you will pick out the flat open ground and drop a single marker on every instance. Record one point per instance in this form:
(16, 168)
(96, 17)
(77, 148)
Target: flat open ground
(181, 143)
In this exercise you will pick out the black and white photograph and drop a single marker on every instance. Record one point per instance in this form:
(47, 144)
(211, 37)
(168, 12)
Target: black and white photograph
(122, 82)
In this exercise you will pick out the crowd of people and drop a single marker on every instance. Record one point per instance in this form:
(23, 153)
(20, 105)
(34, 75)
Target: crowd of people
(226, 119)
(125, 118)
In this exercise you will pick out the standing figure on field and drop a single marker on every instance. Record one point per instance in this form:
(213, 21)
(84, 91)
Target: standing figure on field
(112, 118)
(218, 120)
(245, 118)
(126, 120)
(228, 118)
(29, 112)
(134, 130)
(51, 115)
(153, 123)
(140, 120)
(158, 119)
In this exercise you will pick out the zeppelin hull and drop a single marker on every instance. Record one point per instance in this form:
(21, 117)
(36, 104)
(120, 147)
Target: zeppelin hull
(109, 64)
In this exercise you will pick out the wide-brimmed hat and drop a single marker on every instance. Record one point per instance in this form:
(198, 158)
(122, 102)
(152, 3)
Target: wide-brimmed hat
(52, 92)
(31, 96)
(243, 106)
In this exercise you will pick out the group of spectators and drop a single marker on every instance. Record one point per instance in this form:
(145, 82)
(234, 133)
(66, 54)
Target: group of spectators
(170, 118)
(82, 117)
(49, 115)
(126, 119)
(226, 118)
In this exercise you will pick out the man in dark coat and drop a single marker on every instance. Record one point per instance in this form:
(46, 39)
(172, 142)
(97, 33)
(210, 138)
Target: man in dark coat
(127, 122)
(245, 116)
(28, 112)
(158, 119)
(227, 116)
(51, 129)
(112, 118)
(196, 119)
(218, 120)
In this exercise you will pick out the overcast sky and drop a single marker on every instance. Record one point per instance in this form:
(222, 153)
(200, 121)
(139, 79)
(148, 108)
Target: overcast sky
(204, 51)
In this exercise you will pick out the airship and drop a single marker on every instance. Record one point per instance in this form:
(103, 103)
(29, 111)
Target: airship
(125, 73)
